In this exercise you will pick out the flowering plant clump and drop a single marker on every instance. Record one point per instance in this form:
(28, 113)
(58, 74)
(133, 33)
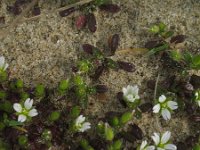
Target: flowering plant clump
(165, 106)
(197, 97)
(144, 146)
(162, 142)
(80, 124)
(3, 64)
(25, 111)
(131, 96)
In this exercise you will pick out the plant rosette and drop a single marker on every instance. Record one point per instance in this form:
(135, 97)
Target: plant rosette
(131, 96)
(25, 111)
(165, 106)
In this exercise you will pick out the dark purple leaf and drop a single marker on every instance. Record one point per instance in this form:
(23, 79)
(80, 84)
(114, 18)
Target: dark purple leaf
(91, 20)
(67, 12)
(136, 132)
(36, 11)
(153, 44)
(101, 88)
(151, 84)
(81, 22)
(146, 107)
(178, 39)
(195, 81)
(195, 118)
(16, 10)
(98, 72)
(181, 146)
(112, 8)
(88, 48)
(129, 67)
(121, 100)
(2, 20)
(113, 43)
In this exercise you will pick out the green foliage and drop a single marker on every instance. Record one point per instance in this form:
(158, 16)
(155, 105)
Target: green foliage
(158, 49)
(24, 95)
(3, 94)
(6, 106)
(63, 86)
(196, 147)
(84, 66)
(85, 145)
(39, 90)
(3, 76)
(46, 135)
(54, 116)
(75, 112)
(17, 84)
(109, 133)
(126, 117)
(22, 140)
(117, 145)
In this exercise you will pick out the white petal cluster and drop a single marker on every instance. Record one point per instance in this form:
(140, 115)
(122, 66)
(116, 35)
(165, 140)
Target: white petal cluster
(25, 111)
(81, 125)
(165, 107)
(162, 142)
(3, 64)
(130, 93)
(144, 146)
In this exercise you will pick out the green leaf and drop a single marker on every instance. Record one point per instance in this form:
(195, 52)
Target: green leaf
(196, 147)
(117, 145)
(196, 60)
(13, 123)
(109, 133)
(75, 112)
(54, 116)
(158, 49)
(126, 117)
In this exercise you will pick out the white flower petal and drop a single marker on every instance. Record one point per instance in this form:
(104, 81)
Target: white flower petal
(17, 107)
(28, 103)
(5, 66)
(156, 108)
(21, 118)
(156, 138)
(170, 147)
(130, 98)
(166, 114)
(80, 120)
(143, 145)
(33, 113)
(85, 126)
(150, 147)
(159, 148)
(165, 137)
(198, 103)
(125, 91)
(2, 61)
(172, 105)
(162, 98)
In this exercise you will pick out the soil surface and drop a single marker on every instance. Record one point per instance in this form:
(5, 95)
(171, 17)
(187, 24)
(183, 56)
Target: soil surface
(42, 50)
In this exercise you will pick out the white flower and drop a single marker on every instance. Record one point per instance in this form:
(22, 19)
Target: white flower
(144, 146)
(197, 97)
(81, 125)
(3, 64)
(165, 107)
(130, 93)
(25, 111)
(162, 142)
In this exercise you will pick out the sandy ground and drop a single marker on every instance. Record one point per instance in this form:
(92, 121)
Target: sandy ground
(42, 50)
